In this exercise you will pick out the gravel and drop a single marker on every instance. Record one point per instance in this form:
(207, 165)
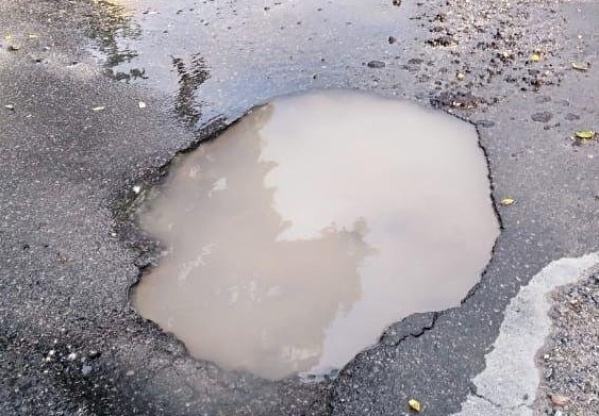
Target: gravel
(570, 360)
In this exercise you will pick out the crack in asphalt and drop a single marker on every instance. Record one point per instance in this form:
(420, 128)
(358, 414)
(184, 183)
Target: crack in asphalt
(480, 396)
(423, 330)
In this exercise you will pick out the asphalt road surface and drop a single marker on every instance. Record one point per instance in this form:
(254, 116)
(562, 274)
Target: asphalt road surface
(76, 144)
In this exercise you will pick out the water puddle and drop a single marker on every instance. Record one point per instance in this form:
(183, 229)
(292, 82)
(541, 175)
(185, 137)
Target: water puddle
(219, 58)
(295, 238)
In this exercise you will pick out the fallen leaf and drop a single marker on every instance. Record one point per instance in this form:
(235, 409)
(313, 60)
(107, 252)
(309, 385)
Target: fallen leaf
(141, 105)
(415, 405)
(559, 400)
(535, 57)
(580, 66)
(585, 134)
(98, 108)
(507, 201)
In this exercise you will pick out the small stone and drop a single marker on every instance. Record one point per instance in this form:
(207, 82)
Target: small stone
(392, 40)
(130, 373)
(50, 355)
(376, 64)
(72, 356)
(542, 117)
(86, 369)
(14, 48)
(10, 107)
(141, 105)
(137, 189)
(559, 400)
(94, 353)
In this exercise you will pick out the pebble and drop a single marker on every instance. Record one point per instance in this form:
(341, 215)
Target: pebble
(94, 353)
(542, 117)
(376, 64)
(559, 400)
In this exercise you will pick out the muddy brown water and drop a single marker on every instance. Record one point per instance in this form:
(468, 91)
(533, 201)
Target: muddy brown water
(295, 238)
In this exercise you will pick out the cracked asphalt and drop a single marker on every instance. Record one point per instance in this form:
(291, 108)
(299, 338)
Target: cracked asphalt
(75, 142)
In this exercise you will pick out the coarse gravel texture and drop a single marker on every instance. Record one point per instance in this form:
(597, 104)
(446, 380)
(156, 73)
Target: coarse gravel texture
(569, 362)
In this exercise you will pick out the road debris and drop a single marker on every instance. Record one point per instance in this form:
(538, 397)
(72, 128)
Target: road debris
(559, 400)
(507, 201)
(415, 405)
(580, 66)
(585, 134)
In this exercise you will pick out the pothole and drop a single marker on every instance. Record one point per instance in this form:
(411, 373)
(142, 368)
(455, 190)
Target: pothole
(296, 237)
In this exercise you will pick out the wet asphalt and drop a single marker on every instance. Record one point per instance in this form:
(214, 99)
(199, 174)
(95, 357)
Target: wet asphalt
(75, 143)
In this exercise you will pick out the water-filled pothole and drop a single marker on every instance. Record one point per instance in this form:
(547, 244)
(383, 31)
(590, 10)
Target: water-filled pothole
(312, 224)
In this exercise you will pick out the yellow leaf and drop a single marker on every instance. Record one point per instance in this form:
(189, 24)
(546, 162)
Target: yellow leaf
(415, 405)
(586, 134)
(535, 57)
(580, 66)
(507, 201)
